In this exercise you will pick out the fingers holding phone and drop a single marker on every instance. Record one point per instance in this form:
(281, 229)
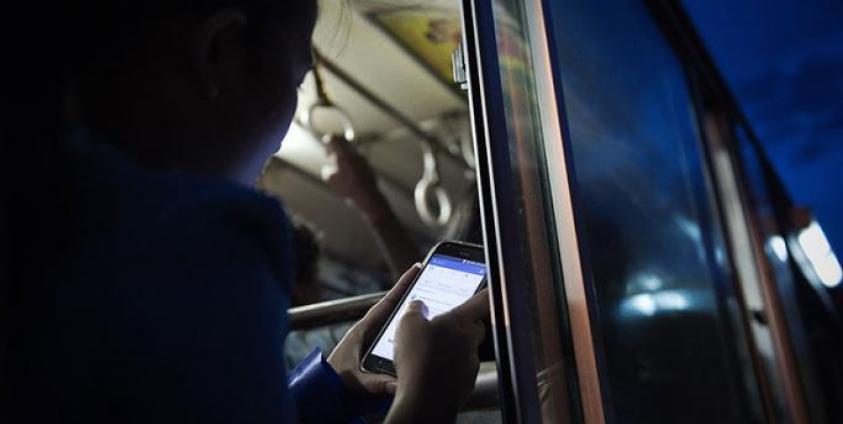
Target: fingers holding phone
(431, 339)
(347, 356)
(451, 274)
(378, 315)
(437, 360)
(470, 316)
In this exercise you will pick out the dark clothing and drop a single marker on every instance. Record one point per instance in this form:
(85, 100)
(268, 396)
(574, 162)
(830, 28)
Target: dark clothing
(161, 298)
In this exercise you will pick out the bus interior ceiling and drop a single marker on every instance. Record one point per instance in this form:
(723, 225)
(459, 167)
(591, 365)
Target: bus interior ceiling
(373, 45)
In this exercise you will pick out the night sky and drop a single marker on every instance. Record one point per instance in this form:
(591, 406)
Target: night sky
(784, 62)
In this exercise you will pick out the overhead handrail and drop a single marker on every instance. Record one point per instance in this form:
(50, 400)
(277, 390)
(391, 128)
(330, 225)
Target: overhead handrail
(432, 202)
(386, 108)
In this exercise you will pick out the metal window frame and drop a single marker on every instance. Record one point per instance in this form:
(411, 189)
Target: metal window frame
(580, 299)
(511, 314)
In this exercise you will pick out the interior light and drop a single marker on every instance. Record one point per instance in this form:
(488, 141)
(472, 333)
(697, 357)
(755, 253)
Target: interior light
(828, 270)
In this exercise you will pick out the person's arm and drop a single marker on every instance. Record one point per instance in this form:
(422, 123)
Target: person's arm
(206, 308)
(320, 395)
(354, 179)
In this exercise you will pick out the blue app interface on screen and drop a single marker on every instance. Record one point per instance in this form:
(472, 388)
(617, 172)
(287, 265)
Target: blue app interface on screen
(445, 283)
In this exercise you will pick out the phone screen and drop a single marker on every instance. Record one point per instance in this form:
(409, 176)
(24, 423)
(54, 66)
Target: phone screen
(445, 283)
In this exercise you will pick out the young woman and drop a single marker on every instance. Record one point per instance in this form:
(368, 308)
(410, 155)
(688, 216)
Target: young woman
(154, 287)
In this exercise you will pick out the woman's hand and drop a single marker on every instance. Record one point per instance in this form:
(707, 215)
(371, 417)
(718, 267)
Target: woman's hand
(437, 360)
(347, 356)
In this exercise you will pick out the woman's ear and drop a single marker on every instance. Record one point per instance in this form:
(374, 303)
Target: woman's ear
(217, 49)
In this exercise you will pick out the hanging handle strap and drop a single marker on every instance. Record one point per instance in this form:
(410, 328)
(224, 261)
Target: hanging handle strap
(347, 126)
(325, 104)
(429, 193)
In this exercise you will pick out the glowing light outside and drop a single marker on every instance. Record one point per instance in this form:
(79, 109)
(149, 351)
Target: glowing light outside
(828, 270)
(813, 241)
(819, 254)
(644, 282)
(779, 247)
(650, 303)
(643, 303)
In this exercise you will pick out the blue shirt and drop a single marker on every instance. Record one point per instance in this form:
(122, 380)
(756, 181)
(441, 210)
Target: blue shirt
(163, 299)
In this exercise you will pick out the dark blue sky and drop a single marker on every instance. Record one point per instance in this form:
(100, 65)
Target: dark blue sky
(784, 62)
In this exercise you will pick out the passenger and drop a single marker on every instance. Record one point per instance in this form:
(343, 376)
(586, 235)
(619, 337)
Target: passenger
(354, 179)
(154, 287)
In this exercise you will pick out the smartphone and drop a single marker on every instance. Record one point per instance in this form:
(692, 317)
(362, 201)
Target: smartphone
(451, 274)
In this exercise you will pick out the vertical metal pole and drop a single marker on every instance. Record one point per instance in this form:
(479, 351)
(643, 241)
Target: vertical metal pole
(513, 342)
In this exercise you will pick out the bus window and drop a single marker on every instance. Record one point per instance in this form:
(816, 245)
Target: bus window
(781, 232)
(669, 318)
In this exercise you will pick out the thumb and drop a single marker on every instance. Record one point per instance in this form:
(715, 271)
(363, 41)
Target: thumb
(417, 307)
(413, 320)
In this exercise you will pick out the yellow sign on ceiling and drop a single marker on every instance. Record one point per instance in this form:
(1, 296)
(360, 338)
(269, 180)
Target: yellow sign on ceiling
(430, 34)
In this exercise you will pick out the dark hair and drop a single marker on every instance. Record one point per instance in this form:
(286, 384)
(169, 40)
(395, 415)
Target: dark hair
(60, 43)
(53, 46)
(113, 35)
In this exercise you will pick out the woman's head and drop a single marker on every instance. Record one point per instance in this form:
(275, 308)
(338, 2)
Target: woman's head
(203, 86)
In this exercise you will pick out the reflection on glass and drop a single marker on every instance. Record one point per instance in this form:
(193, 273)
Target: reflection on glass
(818, 251)
(667, 313)
(538, 259)
(778, 247)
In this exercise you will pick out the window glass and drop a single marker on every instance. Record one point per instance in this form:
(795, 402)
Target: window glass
(668, 320)
(533, 261)
(805, 306)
